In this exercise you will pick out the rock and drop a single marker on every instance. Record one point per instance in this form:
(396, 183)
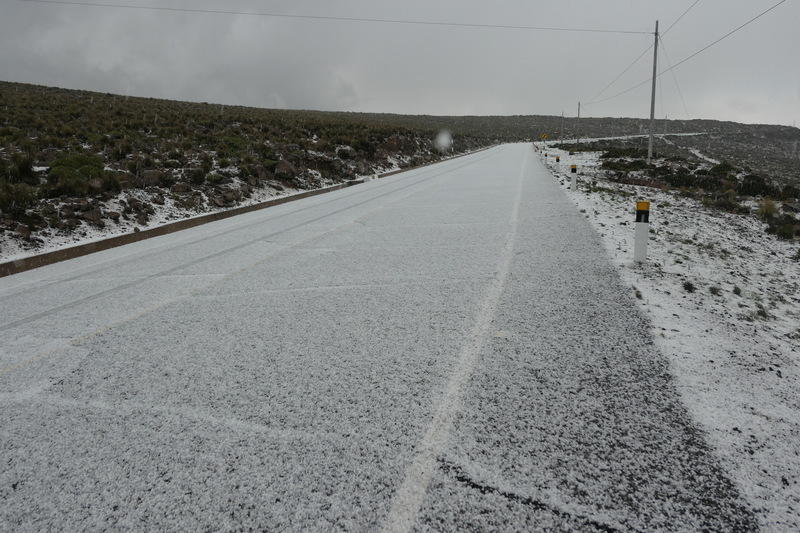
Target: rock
(71, 223)
(262, 172)
(158, 198)
(23, 231)
(93, 216)
(113, 215)
(150, 178)
(142, 218)
(181, 187)
(125, 179)
(285, 170)
(134, 205)
(275, 185)
(217, 200)
(231, 196)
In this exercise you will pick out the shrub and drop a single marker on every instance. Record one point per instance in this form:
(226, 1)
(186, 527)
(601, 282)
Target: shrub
(196, 176)
(679, 180)
(688, 286)
(767, 209)
(784, 226)
(15, 198)
(213, 178)
(789, 192)
(64, 181)
(782, 231)
(84, 162)
(722, 169)
(737, 290)
(716, 291)
(20, 170)
(616, 152)
(206, 163)
(726, 201)
(754, 185)
(625, 166)
(111, 182)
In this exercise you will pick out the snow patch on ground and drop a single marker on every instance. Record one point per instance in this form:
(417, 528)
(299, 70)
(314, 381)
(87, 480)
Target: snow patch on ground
(734, 343)
(12, 248)
(700, 155)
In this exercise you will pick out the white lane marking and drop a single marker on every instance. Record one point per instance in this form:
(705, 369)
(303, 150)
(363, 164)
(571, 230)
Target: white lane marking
(408, 499)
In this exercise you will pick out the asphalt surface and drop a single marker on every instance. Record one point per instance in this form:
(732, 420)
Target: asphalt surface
(443, 349)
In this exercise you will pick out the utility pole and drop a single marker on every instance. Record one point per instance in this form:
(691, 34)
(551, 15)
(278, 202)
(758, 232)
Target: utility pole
(561, 130)
(653, 98)
(579, 123)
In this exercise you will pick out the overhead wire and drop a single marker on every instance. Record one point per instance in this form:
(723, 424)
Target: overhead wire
(691, 56)
(674, 76)
(612, 82)
(681, 17)
(684, 60)
(640, 56)
(335, 18)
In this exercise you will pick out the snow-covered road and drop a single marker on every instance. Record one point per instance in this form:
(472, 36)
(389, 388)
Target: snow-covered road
(448, 348)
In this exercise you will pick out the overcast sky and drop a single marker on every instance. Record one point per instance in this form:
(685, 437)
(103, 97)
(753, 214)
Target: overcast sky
(753, 76)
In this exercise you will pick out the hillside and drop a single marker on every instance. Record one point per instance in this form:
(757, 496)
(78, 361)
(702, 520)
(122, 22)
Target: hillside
(79, 164)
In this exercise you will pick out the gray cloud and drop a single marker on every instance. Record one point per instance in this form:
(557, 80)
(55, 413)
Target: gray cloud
(273, 62)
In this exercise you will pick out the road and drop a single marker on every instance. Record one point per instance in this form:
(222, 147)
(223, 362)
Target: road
(443, 349)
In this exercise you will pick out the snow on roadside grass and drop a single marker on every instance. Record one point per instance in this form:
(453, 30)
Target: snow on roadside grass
(12, 248)
(732, 336)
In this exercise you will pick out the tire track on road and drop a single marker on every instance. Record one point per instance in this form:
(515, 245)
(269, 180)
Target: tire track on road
(409, 497)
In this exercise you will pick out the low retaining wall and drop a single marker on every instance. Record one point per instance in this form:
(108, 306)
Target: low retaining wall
(36, 261)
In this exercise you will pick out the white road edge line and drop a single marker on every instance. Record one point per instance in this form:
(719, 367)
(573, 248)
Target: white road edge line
(409, 497)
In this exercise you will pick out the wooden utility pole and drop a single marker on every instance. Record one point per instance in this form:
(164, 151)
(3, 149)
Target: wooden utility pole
(653, 98)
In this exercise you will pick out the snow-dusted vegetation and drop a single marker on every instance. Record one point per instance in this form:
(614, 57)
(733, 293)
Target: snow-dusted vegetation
(78, 166)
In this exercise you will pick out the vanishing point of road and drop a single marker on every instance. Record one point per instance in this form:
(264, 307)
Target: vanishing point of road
(444, 349)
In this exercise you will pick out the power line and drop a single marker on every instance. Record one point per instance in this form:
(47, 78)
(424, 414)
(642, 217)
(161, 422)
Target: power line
(681, 17)
(334, 18)
(640, 56)
(674, 77)
(612, 82)
(691, 56)
(684, 60)
(621, 93)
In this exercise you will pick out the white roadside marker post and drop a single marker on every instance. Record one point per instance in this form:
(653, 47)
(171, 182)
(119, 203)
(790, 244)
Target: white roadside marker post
(642, 232)
(574, 171)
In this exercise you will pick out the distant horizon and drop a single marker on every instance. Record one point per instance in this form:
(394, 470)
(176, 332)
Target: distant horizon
(723, 61)
(571, 117)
